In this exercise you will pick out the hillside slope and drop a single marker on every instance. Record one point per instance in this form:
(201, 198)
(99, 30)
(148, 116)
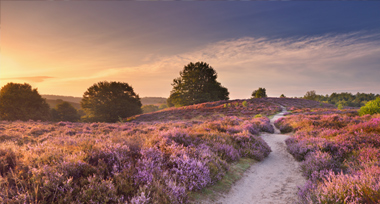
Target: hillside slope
(240, 108)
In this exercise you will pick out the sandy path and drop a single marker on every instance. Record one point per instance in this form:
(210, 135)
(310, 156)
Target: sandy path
(273, 180)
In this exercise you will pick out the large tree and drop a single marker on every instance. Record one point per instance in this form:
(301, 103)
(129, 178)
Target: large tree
(110, 101)
(21, 102)
(196, 84)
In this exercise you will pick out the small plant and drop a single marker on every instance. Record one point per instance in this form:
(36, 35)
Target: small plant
(340, 106)
(258, 116)
(245, 104)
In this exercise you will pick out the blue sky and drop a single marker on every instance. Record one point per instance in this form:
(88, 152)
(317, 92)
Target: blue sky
(287, 47)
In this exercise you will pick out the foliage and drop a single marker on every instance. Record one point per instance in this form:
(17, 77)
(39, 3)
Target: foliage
(53, 103)
(21, 102)
(283, 126)
(107, 101)
(152, 100)
(259, 93)
(310, 95)
(162, 106)
(65, 112)
(282, 96)
(371, 107)
(149, 108)
(347, 99)
(196, 84)
(244, 103)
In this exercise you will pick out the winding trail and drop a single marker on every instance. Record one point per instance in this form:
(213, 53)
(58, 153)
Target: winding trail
(273, 180)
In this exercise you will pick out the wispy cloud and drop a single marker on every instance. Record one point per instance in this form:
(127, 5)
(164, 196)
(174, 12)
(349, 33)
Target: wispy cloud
(328, 63)
(29, 79)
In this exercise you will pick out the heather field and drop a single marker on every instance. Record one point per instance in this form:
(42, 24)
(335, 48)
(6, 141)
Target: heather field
(339, 153)
(162, 157)
(156, 161)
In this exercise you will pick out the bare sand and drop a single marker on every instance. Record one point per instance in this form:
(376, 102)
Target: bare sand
(273, 180)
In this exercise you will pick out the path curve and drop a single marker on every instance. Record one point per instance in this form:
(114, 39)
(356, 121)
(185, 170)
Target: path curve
(273, 180)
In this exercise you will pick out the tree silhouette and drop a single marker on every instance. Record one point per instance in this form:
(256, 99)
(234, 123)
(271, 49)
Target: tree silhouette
(196, 84)
(110, 101)
(21, 102)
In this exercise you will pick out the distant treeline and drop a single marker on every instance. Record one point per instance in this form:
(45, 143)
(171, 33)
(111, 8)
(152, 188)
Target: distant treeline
(343, 99)
(63, 98)
(153, 100)
(52, 100)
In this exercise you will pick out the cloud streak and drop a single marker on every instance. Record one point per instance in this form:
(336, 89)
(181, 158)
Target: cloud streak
(29, 79)
(292, 66)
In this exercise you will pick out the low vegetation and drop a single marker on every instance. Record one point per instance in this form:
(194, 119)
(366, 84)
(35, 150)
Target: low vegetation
(339, 153)
(135, 162)
(343, 99)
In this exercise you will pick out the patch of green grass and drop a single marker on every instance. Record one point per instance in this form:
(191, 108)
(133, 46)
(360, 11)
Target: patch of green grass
(222, 187)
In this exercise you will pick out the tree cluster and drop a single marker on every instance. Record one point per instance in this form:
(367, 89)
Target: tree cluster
(342, 99)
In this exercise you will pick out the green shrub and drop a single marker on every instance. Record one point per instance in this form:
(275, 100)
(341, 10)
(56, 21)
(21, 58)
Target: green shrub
(340, 106)
(370, 107)
(245, 104)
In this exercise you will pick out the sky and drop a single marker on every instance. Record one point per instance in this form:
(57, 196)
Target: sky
(64, 47)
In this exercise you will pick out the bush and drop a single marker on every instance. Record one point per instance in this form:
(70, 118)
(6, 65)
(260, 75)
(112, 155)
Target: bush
(283, 126)
(371, 107)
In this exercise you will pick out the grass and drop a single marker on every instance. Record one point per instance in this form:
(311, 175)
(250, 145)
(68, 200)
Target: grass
(222, 187)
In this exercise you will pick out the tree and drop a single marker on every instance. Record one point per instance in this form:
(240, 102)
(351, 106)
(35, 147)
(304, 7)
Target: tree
(282, 96)
(371, 107)
(65, 112)
(310, 95)
(110, 101)
(259, 93)
(21, 102)
(196, 84)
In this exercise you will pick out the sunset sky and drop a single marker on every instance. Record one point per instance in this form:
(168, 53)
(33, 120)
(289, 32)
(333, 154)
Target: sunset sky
(289, 48)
